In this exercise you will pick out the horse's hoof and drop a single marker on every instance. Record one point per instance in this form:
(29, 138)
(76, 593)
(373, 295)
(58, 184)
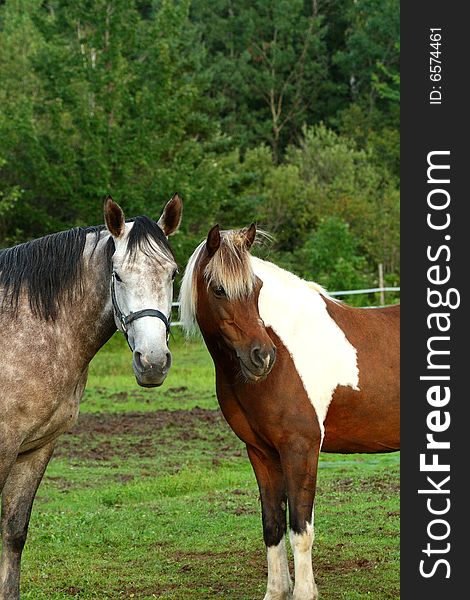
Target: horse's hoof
(285, 595)
(305, 594)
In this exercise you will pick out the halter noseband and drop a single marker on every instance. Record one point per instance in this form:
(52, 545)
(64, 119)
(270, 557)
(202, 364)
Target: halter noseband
(125, 321)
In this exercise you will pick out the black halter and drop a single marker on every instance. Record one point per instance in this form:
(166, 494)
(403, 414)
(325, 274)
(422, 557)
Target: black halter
(147, 312)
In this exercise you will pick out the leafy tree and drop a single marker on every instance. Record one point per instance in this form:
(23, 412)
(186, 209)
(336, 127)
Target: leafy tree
(283, 112)
(369, 61)
(8, 199)
(267, 59)
(20, 90)
(343, 180)
(113, 103)
(331, 257)
(246, 186)
(371, 46)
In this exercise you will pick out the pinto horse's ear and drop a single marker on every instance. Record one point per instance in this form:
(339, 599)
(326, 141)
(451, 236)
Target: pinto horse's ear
(114, 217)
(171, 216)
(213, 241)
(250, 236)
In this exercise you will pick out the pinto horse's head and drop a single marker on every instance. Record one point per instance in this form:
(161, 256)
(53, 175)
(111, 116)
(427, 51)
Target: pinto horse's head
(220, 293)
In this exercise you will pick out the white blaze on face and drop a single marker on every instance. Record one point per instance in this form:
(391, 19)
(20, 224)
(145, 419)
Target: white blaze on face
(297, 313)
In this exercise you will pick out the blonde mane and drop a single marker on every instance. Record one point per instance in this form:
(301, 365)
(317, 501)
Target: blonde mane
(230, 267)
(316, 287)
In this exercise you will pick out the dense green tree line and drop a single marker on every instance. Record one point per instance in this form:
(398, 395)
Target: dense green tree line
(285, 112)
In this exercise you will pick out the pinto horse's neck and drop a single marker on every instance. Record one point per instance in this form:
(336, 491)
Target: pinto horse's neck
(320, 351)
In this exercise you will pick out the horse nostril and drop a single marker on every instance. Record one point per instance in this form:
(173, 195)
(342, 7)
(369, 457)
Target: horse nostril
(144, 362)
(138, 360)
(257, 356)
(273, 355)
(168, 362)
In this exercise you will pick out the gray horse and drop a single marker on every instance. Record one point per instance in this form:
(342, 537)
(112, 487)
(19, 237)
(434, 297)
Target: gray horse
(61, 298)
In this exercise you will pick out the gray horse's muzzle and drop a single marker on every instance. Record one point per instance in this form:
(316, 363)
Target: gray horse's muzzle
(149, 372)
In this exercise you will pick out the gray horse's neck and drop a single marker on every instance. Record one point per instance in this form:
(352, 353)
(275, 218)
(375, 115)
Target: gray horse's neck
(83, 323)
(45, 361)
(91, 320)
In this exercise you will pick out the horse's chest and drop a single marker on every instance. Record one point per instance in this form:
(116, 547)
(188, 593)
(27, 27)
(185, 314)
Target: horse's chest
(59, 415)
(263, 418)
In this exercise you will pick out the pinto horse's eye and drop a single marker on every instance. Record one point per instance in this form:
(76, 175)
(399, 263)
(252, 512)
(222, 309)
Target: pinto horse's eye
(116, 276)
(219, 292)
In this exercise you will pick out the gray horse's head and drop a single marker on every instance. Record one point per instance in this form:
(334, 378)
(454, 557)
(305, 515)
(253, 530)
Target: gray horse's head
(142, 286)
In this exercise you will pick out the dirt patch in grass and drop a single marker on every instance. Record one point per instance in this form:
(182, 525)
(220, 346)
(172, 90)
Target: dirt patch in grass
(140, 423)
(104, 437)
(383, 485)
(344, 566)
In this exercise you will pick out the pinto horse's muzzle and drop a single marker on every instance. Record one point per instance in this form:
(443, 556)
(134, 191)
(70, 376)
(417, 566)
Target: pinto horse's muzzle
(256, 364)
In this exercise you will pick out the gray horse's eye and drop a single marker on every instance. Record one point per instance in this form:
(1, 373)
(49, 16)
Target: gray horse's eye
(117, 277)
(175, 272)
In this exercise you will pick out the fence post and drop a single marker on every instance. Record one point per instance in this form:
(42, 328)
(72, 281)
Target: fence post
(381, 284)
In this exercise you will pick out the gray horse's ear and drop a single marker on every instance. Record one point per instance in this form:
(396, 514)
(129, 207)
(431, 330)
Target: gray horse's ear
(250, 236)
(213, 241)
(171, 216)
(114, 217)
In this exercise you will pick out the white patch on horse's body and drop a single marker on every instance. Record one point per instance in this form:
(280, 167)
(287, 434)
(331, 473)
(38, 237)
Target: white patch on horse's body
(301, 544)
(296, 311)
(279, 581)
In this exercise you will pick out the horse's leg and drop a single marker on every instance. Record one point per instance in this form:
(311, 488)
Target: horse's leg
(6, 462)
(17, 500)
(9, 444)
(299, 458)
(273, 501)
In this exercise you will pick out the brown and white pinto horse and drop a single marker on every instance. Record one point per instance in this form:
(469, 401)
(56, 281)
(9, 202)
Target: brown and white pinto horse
(296, 372)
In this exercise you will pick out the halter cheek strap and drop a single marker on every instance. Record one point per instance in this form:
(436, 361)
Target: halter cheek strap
(125, 321)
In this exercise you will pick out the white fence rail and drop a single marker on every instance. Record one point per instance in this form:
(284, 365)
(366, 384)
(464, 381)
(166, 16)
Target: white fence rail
(368, 291)
(338, 293)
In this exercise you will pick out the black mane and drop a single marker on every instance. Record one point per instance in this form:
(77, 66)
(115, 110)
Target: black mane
(50, 269)
(143, 233)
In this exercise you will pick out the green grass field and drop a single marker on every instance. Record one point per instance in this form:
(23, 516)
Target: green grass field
(152, 496)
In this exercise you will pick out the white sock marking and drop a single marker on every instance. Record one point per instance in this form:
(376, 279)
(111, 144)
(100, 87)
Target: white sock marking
(279, 581)
(301, 543)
